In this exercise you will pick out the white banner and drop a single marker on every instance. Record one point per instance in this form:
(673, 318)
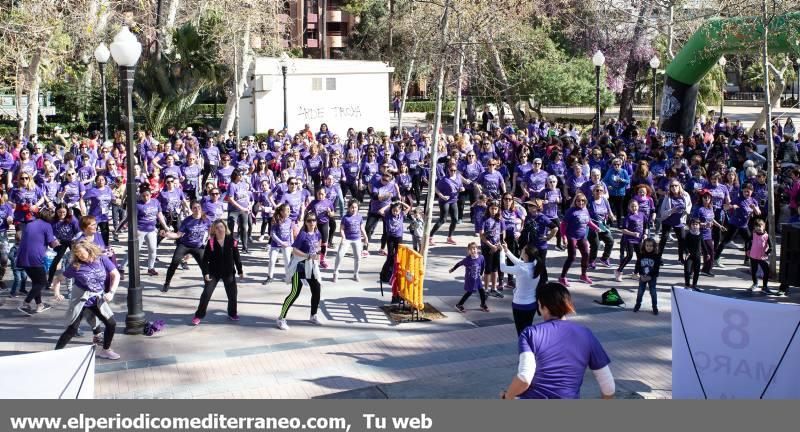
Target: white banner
(724, 348)
(62, 374)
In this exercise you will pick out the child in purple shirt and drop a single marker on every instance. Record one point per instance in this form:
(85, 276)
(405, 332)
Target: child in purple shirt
(474, 265)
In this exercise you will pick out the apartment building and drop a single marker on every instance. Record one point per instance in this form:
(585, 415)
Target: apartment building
(319, 27)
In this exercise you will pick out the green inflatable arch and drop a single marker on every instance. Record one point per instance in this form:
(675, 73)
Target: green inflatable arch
(716, 37)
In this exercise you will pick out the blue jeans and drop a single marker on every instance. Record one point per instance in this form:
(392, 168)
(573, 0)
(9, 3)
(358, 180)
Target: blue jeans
(651, 286)
(20, 278)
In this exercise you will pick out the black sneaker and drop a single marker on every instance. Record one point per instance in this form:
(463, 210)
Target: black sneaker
(395, 300)
(184, 266)
(708, 274)
(266, 281)
(636, 308)
(655, 311)
(23, 291)
(460, 308)
(165, 288)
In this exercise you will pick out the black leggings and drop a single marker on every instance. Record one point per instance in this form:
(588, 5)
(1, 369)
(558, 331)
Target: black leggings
(708, 255)
(662, 243)
(108, 334)
(104, 231)
(462, 200)
(691, 270)
(61, 250)
(243, 219)
(618, 207)
(230, 290)
(594, 243)
(730, 234)
(372, 222)
(626, 252)
(181, 251)
(445, 209)
(266, 224)
(392, 244)
(523, 318)
(583, 246)
(38, 281)
(467, 294)
(297, 286)
(754, 265)
(513, 247)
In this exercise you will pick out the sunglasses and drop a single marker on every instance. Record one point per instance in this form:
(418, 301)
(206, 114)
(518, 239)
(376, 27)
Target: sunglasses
(580, 201)
(214, 193)
(310, 220)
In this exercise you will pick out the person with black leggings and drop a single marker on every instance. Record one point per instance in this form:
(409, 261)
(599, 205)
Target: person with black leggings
(322, 208)
(96, 280)
(739, 211)
(393, 217)
(65, 228)
(381, 194)
(693, 244)
(530, 272)
(447, 190)
(672, 213)
(37, 235)
(221, 262)
(303, 270)
(602, 215)
(191, 236)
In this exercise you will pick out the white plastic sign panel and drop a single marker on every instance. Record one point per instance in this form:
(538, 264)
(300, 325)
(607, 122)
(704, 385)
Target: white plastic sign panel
(724, 348)
(62, 374)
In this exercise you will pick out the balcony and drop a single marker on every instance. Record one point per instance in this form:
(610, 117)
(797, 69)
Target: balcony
(312, 43)
(336, 41)
(312, 18)
(335, 15)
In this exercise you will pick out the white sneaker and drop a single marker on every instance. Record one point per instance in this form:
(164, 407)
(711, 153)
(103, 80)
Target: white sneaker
(314, 320)
(753, 288)
(262, 238)
(617, 276)
(108, 354)
(282, 324)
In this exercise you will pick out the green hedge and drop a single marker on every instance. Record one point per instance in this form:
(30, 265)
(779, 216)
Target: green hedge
(430, 106)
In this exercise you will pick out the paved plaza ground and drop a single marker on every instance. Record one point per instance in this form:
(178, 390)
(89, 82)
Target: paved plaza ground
(358, 352)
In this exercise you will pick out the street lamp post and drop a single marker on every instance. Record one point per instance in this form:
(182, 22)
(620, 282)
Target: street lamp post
(284, 62)
(722, 62)
(797, 75)
(126, 51)
(101, 54)
(654, 64)
(598, 59)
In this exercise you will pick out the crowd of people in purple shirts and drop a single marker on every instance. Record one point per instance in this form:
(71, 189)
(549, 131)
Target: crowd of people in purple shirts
(312, 197)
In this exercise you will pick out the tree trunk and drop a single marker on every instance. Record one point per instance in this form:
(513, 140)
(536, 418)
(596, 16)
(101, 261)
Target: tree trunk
(32, 81)
(459, 80)
(21, 115)
(502, 77)
(229, 116)
(634, 65)
(775, 101)
(409, 74)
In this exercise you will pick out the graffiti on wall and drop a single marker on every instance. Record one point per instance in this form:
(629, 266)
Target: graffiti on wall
(317, 112)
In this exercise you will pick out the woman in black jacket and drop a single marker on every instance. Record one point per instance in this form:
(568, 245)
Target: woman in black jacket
(220, 257)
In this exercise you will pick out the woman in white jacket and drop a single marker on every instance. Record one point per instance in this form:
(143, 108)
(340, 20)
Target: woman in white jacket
(530, 272)
(673, 211)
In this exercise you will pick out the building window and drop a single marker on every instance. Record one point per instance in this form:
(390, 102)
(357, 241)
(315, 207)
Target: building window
(330, 83)
(316, 84)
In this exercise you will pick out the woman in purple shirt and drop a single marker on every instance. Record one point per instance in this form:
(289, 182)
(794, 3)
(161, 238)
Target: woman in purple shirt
(240, 201)
(65, 228)
(191, 236)
(393, 217)
(353, 235)
(100, 198)
(322, 208)
(447, 190)
(92, 272)
(36, 237)
(555, 353)
(603, 216)
(491, 233)
(148, 213)
(705, 214)
(303, 270)
(27, 197)
(739, 212)
(280, 239)
(491, 182)
(574, 228)
(673, 210)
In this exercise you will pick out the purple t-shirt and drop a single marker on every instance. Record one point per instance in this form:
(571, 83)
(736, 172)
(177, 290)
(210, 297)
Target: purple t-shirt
(5, 211)
(379, 189)
(320, 209)
(147, 215)
(240, 192)
(65, 231)
(490, 182)
(394, 224)
(72, 191)
(295, 200)
(307, 242)
(635, 223)
(25, 196)
(492, 229)
(577, 221)
(599, 211)
(706, 215)
(212, 209)
(99, 202)
(551, 205)
(38, 235)
(450, 188)
(351, 225)
(194, 231)
(674, 220)
(740, 216)
(91, 276)
(536, 181)
(473, 272)
(170, 201)
(281, 233)
(563, 351)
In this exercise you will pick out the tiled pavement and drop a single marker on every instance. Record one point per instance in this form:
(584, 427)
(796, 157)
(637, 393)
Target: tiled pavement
(462, 355)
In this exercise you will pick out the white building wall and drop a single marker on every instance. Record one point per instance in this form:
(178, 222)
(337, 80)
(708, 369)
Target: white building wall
(341, 93)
